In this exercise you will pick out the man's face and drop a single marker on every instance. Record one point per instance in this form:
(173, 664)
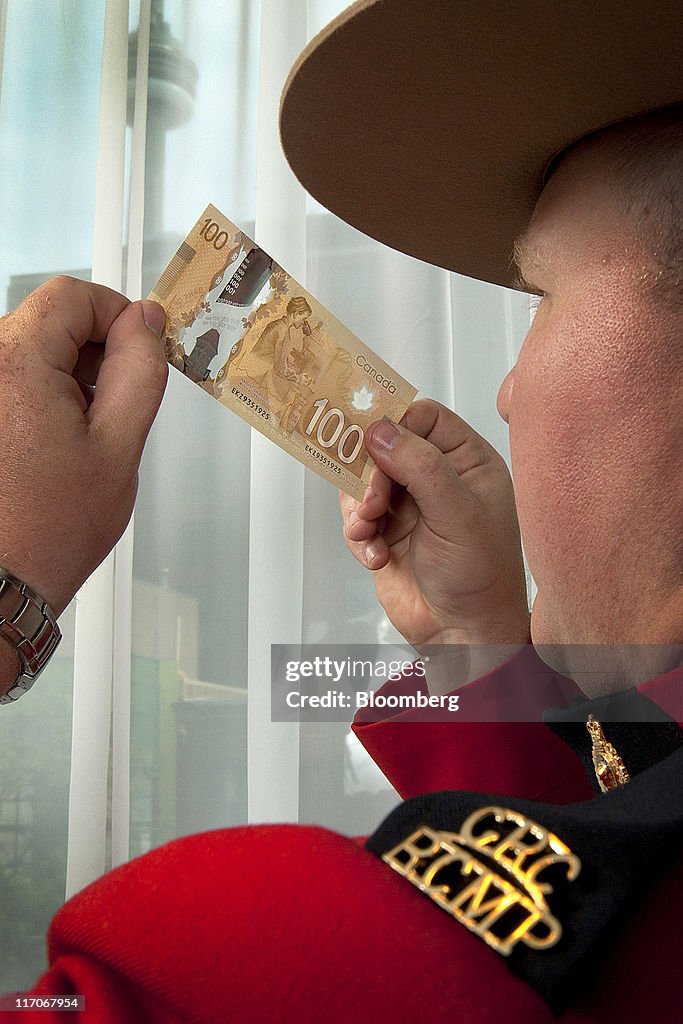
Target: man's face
(594, 407)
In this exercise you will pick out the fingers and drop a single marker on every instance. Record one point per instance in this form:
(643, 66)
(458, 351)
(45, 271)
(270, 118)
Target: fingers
(429, 454)
(58, 318)
(465, 448)
(373, 552)
(377, 495)
(88, 364)
(359, 529)
(65, 321)
(364, 522)
(421, 466)
(361, 517)
(131, 380)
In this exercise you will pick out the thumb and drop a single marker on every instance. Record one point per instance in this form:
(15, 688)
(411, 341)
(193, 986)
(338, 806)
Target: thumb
(423, 470)
(132, 378)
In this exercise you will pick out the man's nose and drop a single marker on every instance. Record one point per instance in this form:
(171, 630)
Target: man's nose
(504, 396)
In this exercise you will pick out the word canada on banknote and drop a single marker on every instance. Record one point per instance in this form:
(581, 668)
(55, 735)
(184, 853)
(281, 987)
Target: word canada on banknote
(248, 334)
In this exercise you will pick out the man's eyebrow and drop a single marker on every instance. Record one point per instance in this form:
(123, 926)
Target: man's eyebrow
(525, 255)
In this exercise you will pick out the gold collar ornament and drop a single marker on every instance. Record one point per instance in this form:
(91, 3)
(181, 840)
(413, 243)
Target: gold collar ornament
(609, 767)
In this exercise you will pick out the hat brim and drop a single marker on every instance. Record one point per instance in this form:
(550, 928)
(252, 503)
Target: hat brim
(429, 126)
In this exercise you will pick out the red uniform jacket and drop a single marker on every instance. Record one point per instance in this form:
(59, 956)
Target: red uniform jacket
(296, 923)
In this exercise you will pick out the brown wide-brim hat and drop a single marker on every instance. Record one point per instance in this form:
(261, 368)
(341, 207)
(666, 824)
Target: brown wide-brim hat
(429, 125)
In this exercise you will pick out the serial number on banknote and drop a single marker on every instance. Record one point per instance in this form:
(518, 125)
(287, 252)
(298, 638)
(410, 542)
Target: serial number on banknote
(250, 403)
(330, 463)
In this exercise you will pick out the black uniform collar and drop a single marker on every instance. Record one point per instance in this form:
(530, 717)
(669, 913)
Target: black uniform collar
(625, 839)
(639, 729)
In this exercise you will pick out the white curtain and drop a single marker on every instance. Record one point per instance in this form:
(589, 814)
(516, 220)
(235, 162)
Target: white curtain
(118, 123)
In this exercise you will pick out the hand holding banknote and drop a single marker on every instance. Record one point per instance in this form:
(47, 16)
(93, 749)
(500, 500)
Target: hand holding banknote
(70, 454)
(443, 538)
(438, 527)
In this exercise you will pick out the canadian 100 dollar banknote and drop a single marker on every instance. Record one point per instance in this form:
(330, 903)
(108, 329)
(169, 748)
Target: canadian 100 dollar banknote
(248, 334)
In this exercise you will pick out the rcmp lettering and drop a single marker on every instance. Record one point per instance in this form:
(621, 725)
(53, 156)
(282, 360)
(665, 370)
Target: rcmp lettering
(497, 894)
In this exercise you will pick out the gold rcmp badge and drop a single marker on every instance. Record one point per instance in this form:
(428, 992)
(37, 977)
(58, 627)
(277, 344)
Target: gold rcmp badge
(492, 875)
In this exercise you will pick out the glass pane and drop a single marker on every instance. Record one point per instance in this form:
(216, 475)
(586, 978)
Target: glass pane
(51, 68)
(35, 761)
(52, 60)
(188, 769)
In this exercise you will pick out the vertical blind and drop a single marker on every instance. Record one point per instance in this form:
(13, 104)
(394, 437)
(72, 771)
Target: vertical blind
(118, 123)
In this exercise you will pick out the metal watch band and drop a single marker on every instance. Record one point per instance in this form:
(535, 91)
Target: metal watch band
(29, 625)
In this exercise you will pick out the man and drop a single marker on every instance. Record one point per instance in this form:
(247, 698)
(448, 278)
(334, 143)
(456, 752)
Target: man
(594, 407)
(300, 924)
(578, 107)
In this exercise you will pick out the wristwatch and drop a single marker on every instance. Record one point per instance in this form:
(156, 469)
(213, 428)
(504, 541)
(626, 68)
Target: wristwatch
(29, 625)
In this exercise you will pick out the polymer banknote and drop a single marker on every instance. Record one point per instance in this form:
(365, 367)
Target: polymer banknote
(253, 338)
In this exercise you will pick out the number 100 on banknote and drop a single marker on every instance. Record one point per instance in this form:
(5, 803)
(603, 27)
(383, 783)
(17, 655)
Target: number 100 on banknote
(248, 334)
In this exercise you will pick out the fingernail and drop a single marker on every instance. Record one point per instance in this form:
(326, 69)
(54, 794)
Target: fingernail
(353, 518)
(385, 435)
(369, 493)
(154, 316)
(372, 552)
